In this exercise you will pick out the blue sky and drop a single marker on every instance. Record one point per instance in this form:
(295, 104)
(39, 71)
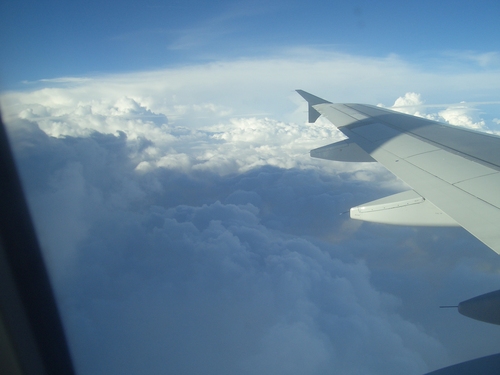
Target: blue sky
(165, 157)
(56, 38)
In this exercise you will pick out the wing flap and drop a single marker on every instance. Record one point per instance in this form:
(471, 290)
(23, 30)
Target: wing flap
(406, 208)
(342, 151)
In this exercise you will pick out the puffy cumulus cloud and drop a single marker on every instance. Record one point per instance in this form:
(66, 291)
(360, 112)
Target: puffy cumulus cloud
(410, 99)
(410, 103)
(462, 116)
(246, 143)
(226, 145)
(105, 116)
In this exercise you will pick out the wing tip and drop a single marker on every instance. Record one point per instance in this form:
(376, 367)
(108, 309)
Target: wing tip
(312, 99)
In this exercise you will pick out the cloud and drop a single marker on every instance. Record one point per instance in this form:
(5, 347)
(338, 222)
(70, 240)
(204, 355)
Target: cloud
(462, 116)
(465, 115)
(225, 286)
(229, 285)
(196, 96)
(229, 145)
(262, 85)
(186, 233)
(410, 99)
(410, 103)
(78, 119)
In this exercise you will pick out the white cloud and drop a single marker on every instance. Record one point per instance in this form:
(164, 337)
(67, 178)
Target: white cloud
(410, 103)
(462, 116)
(410, 99)
(227, 145)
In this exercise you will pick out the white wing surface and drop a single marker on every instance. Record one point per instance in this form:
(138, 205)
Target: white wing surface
(454, 172)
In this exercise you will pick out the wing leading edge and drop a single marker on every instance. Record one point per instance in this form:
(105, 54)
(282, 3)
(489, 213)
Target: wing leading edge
(454, 172)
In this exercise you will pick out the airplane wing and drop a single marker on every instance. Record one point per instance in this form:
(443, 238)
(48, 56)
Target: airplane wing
(454, 172)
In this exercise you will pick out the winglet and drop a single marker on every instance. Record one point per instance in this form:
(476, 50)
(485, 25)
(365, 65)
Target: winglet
(312, 101)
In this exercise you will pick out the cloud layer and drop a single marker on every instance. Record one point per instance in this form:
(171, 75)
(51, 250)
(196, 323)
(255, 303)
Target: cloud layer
(189, 232)
(167, 271)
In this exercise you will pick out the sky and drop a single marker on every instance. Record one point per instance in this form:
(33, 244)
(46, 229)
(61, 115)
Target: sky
(165, 158)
